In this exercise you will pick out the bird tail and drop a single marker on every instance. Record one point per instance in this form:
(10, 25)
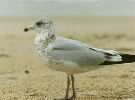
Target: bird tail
(126, 58)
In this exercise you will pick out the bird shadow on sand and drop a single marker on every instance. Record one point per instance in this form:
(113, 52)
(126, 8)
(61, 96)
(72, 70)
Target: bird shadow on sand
(120, 76)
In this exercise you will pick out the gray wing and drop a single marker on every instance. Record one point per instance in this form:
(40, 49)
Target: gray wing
(78, 52)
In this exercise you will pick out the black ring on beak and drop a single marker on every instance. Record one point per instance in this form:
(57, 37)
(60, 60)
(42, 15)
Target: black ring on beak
(26, 29)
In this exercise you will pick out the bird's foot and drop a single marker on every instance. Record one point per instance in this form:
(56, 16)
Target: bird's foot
(61, 99)
(72, 98)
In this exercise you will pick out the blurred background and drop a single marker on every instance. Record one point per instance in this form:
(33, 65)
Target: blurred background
(106, 24)
(30, 8)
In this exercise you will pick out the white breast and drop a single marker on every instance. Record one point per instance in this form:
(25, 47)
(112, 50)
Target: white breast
(41, 45)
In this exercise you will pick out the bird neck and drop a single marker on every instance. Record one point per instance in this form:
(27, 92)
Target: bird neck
(48, 34)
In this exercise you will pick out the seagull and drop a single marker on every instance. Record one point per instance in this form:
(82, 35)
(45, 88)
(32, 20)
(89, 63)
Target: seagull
(71, 56)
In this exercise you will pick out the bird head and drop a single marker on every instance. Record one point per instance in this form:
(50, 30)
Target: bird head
(42, 24)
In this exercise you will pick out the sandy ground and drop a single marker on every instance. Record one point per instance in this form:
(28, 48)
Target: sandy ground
(24, 77)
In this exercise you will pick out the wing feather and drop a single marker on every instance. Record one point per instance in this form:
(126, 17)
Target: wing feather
(80, 53)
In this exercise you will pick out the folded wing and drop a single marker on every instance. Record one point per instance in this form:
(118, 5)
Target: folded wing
(80, 53)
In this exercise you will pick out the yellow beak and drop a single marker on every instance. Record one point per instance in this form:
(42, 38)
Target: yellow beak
(28, 29)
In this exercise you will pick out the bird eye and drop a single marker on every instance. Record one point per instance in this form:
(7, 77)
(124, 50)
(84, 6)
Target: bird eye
(39, 23)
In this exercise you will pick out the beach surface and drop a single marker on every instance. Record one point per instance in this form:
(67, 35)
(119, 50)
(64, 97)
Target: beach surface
(23, 76)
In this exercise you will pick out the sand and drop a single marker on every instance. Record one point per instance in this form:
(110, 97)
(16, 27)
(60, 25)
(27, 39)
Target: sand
(23, 76)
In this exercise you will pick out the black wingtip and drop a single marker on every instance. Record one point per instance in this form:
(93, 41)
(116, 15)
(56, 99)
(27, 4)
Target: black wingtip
(126, 58)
